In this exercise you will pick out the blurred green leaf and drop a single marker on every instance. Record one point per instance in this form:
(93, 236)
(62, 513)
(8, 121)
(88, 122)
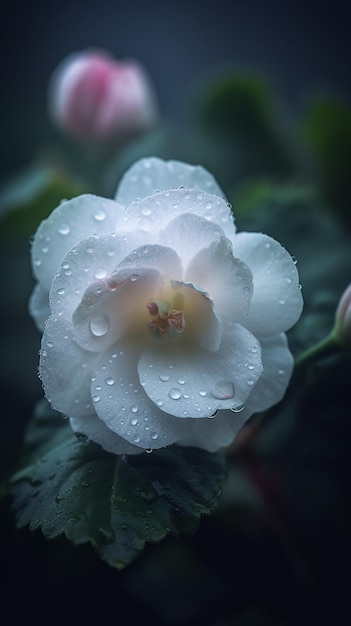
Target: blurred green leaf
(238, 133)
(327, 130)
(73, 487)
(30, 197)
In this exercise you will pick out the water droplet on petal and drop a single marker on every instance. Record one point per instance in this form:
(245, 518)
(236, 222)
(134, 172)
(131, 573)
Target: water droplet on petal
(154, 436)
(64, 229)
(159, 402)
(223, 390)
(174, 394)
(238, 409)
(202, 393)
(96, 398)
(134, 409)
(134, 277)
(99, 325)
(110, 381)
(181, 381)
(99, 215)
(164, 378)
(100, 273)
(136, 439)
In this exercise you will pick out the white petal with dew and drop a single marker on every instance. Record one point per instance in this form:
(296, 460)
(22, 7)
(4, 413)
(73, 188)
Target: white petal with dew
(196, 383)
(115, 307)
(72, 221)
(152, 174)
(278, 366)
(121, 403)
(65, 369)
(155, 212)
(227, 279)
(93, 259)
(276, 303)
(39, 306)
(93, 428)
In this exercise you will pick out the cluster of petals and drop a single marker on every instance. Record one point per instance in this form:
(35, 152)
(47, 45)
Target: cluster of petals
(93, 97)
(161, 324)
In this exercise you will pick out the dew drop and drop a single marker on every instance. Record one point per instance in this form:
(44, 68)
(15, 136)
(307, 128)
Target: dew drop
(154, 436)
(238, 409)
(281, 301)
(100, 273)
(174, 393)
(148, 450)
(96, 398)
(223, 390)
(99, 215)
(136, 439)
(208, 206)
(288, 279)
(267, 245)
(250, 381)
(146, 211)
(49, 344)
(64, 229)
(134, 409)
(110, 381)
(99, 325)
(181, 381)
(164, 378)
(134, 277)
(202, 393)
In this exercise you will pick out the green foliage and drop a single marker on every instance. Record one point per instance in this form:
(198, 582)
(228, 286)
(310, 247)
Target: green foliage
(30, 197)
(327, 131)
(68, 485)
(236, 132)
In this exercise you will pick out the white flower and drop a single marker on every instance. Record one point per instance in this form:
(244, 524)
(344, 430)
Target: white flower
(165, 325)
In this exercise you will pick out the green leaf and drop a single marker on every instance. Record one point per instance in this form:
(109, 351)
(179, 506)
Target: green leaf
(327, 131)
(236, 131)
(71, 486)
(31, 196)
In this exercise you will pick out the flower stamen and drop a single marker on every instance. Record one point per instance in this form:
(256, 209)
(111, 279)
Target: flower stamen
(169, 321)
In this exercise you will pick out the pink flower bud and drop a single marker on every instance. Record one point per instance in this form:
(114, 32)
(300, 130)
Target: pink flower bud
(342, 327)
(96, 98)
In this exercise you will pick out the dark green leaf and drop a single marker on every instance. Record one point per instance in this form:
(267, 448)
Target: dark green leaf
(29, 198)
(73, 487)
(327, 130)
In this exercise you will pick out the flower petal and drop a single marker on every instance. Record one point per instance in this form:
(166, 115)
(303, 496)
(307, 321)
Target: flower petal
(277, 301)
(72, 221)
(227, 279)
(196, 383)
(93, 428)
(93, 259)
(278, 365)
(153, 174)
(217, 432)
(188, 233)
(115, 307)
(163, 258)
(121, 403)
(154, 212)
(202, 322)
(39, 306)
(65, 370)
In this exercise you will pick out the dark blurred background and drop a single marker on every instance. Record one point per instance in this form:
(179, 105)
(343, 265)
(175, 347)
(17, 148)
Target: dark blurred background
(242, 573)
(299, 47)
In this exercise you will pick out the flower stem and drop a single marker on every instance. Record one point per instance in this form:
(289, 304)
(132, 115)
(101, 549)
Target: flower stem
(323, 349)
